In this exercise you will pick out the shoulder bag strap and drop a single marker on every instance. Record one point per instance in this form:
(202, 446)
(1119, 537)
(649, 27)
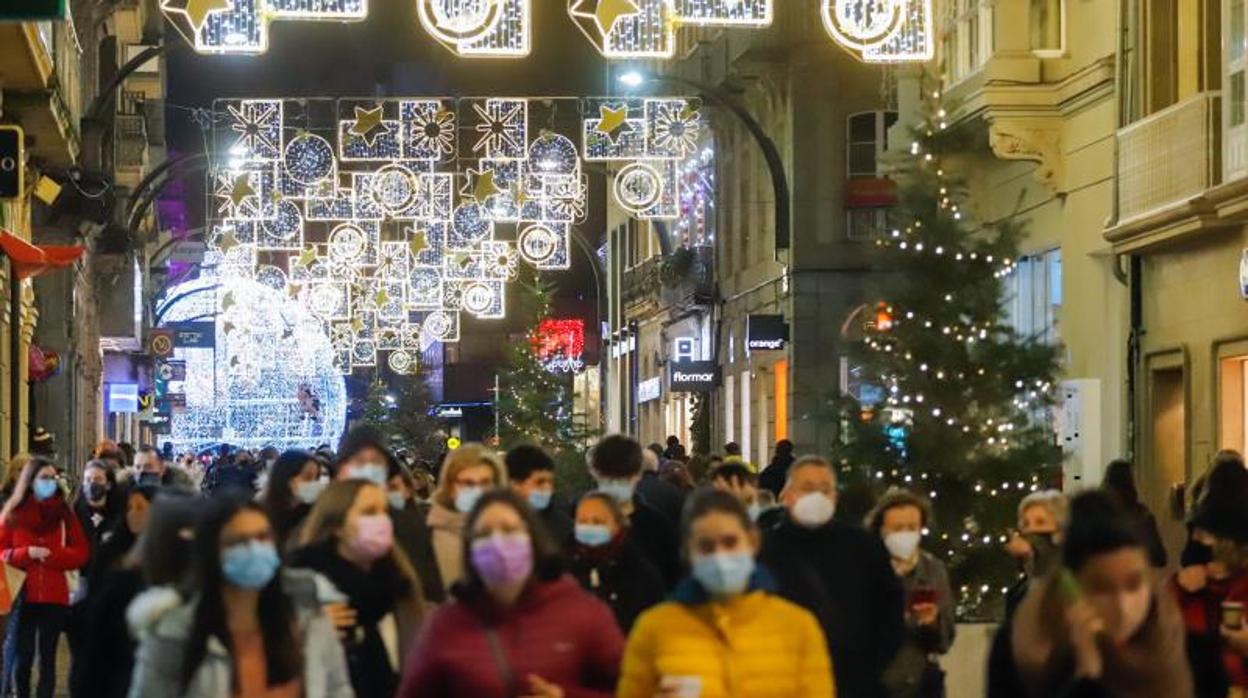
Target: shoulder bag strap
(500, 659)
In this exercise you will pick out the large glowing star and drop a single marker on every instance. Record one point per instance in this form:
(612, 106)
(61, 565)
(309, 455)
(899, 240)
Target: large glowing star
(647, 28)
(242, 26)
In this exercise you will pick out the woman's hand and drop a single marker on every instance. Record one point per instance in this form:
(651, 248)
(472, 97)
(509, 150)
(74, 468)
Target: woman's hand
(342, 616)
(37, 553)
(541, 688)
(1192, 579)
(1236, 638)
(1018, 547)
(926, 613)
(1085, 624)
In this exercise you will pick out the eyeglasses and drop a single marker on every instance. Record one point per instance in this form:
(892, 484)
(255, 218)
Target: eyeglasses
(487, 482)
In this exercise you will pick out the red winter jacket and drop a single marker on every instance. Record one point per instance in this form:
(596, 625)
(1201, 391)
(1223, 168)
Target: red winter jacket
(48, 524)
(555, 631)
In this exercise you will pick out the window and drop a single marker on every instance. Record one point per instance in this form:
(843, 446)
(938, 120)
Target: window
(869, 195)
(1048, 26)
(1236, 76)
(1034, 296)
(966, 41)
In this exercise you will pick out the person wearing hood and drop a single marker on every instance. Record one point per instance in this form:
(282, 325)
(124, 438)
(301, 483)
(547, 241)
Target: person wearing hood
(1097, 625)
(248, 629)
(899, 519)
(531, 472)
(839, 572)
(1214, 573)
(467, 474)
(40, 535)
(517, 626)
(293, 486)
(609, 565)
(364, 455)
(725, 633)
(776, 472)
(376, 602)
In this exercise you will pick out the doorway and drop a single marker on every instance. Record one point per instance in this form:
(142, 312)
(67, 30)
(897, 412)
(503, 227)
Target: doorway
(1164, 475)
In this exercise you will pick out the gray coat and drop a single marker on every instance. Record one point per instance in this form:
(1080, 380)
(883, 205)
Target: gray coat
(162, 623)
(923, 644)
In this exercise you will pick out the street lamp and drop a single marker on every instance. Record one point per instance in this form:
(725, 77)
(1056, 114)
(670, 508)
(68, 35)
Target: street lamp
(709, 93)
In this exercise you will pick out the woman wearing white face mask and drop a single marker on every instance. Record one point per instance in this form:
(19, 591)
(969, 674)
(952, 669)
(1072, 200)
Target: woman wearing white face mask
(899, 518)
(293, 486)
(724, 633)
(1097, 627)
(468, 473)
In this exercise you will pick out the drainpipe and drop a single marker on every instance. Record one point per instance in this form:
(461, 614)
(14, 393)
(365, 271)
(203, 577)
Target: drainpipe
(15, 359)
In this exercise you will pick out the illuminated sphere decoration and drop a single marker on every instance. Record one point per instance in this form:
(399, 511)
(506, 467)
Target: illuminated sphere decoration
(270, 379)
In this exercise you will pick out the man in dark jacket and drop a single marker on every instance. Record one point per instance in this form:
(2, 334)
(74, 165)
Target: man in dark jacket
(842, 574)
(665, 497)
(531, 472)
(615, 462)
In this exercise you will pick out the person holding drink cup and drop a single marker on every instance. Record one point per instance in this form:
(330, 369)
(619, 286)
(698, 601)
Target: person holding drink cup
(899, 518)
(724, 633)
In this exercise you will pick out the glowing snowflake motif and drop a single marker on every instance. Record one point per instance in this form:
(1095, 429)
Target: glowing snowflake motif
(258, 124)
(503, 127)
(430, 130)
(674, 128)
(502, 262)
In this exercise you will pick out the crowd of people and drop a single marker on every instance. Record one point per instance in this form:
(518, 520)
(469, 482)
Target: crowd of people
(356, 572)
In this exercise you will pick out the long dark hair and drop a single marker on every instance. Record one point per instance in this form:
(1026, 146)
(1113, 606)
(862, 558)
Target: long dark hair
(1098, 525)
(548, 563)
(277, 495)
(282, 655)
(1120, 482)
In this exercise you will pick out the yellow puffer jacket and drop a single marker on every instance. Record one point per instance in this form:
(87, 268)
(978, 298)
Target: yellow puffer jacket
(754, 646)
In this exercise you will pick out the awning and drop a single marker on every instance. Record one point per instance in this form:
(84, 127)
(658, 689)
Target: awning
(32, 260)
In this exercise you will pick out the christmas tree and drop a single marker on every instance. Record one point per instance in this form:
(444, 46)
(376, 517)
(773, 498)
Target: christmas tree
(535, 405)
(945, 398)
(376, 410)
(412, 424)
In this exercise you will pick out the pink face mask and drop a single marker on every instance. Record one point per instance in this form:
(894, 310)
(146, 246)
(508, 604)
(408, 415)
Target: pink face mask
(374, 536)
(503, 559)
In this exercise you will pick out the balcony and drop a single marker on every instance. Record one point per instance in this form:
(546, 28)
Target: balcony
(130, 151)
(43, 87)
(643, 283)
(26, 63)
(1169, 157)
(130, 20)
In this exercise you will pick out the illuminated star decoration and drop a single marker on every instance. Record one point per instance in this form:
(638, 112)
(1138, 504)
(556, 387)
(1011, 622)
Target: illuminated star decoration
(481, 184)
(369, 125)
(241, 189)
(197, 11)
(306, 259)
(228, 241)
(418, 243)
(613, 122)
(606, 12)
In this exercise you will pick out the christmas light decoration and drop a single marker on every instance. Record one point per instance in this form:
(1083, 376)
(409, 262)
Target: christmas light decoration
(267, 381)
(883, 31)
(479, 28)
(647, 28)
(559, 344)
(386, 220)
(242, 26)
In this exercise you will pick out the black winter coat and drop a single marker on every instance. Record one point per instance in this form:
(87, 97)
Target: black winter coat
(625, 581)
(656, 536)
(842, 574)
(413, 536)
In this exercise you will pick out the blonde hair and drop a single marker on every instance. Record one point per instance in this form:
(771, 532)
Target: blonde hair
(461, 459)
(1052, 500)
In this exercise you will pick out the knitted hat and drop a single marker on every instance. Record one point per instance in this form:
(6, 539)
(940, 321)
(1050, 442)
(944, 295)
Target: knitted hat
(42, 443)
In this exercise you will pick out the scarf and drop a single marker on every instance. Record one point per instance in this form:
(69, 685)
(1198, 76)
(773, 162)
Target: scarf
(373, 593)
(448, 532)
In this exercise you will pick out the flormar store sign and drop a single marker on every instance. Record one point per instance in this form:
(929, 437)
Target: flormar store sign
(694, 376)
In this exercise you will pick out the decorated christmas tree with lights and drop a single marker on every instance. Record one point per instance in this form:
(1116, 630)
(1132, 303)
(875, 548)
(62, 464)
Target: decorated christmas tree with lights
(945, 398)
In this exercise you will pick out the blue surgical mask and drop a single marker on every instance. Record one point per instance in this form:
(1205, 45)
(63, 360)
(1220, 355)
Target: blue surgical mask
(724, 574)
(309, 492)
(592, 535)
(619, 490)
(397, 500)
(466, 498)
(44, 489)
(540, 499)
(370, 472)
(250, 565)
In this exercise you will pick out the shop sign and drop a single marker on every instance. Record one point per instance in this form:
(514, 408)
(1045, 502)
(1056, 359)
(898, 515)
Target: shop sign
(122, 398)
(33, 10)
(684, 349)
(766, 333)
(694, 376)
(160, 343)
(649, 390)
(187, 252)
(195, 335)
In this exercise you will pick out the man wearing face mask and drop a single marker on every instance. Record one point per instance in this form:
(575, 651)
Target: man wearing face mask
(899, 519)
(615, 463)
(531, 473)
(364, 455)
(840, 573)
(151, 469)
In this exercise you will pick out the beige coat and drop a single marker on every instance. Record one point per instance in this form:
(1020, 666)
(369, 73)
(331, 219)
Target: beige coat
(448, 542)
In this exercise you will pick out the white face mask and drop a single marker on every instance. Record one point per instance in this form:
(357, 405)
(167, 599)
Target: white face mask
(902, 544)
(814, 510)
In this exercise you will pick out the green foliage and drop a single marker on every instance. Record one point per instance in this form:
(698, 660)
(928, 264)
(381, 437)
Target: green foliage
(961, 401)
(535, 405)
(412, 424)
(376, 410)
